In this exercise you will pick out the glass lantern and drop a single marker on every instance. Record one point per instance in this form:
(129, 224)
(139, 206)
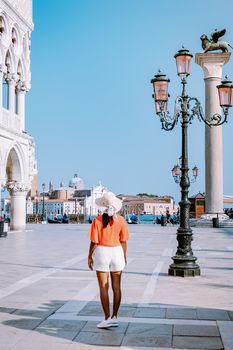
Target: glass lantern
(195, 171)
(225, 93)
(183, 62)
(160, 87)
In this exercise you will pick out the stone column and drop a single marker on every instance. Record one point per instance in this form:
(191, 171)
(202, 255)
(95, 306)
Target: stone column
(1, 200)
(1, 90)
(11, 93)
(18, 194)
(212, 64)
(21, 92)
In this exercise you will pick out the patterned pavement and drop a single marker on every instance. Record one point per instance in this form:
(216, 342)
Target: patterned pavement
(49, 299)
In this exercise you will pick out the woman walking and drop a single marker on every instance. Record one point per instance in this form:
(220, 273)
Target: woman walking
(107, 254)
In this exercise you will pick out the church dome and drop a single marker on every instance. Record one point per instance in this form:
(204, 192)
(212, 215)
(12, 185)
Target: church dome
(76, 183)
(100, 187)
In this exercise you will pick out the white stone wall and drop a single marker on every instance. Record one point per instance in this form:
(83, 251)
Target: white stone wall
(23, 8)
(90, 207)
(69, 207)
(15, 66)
(17, 148)
(159, 208)
(19, 51)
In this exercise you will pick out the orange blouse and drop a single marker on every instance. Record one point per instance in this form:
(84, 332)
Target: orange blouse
(112, 235)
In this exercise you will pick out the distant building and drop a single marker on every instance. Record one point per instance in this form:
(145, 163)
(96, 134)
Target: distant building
(76, 183)
(74, 199)
(53, 207)
(29, 206)
(65, 193)
(147, 205)
(197, 207)
(34, 186)
(90, 207)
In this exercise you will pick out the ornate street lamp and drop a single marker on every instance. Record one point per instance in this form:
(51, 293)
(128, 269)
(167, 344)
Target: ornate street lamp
(186, 108)
(43, 208)
(225, 93)
(195, 172)
(176, 171)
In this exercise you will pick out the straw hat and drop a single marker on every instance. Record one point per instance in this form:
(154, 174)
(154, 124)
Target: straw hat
(108, 199)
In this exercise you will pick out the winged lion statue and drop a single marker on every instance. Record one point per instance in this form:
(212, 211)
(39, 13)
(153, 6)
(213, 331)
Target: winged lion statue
(213, 44)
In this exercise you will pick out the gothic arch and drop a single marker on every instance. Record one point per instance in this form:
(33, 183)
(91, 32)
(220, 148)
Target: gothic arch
(4, 24)
(9, 62)
(16, 40)
(4, 33)
(15, 164)
(13, 168)
(20, 70)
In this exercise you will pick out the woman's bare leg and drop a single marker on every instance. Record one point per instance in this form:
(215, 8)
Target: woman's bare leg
(103, 285)
(116, 287)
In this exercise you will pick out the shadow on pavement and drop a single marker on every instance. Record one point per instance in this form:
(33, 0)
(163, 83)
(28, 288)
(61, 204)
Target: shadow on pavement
(156, 325)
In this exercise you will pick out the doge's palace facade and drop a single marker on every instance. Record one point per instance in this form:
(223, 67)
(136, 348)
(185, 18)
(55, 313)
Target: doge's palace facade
(17, 148)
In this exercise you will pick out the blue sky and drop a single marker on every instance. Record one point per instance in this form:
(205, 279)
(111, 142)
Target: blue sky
(90, 107)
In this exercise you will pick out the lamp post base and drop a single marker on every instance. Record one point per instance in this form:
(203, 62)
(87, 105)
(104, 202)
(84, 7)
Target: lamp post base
(184, 267)
(3, 234)
(184, 272)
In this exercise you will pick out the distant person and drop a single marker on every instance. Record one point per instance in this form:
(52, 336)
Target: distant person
(107, 254)
(65, 219)
(163, 220)
(168, 216)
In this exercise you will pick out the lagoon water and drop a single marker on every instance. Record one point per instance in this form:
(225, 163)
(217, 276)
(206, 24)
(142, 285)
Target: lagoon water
(149, 218)
(145, 218)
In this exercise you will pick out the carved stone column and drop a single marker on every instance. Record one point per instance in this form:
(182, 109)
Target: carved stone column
(11, 92)
(1, 91)
(18, 193)
(212, 64)
(20, 93)
(2, 185)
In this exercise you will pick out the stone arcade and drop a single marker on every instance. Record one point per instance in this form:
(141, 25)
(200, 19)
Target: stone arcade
(17, 148)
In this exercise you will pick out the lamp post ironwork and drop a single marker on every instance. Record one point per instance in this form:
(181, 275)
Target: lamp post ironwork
(186, 108)
(176, 172)
(43, 208)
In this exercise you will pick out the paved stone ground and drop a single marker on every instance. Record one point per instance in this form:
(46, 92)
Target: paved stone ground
(49, 299)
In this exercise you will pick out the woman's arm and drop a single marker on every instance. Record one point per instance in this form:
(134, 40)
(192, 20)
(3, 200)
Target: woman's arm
(124, 247)
(90, 259)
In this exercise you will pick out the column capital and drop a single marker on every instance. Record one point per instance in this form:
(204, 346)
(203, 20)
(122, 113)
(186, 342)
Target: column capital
(9, 77)
(21, 87)
(15, 187)
(212, 63)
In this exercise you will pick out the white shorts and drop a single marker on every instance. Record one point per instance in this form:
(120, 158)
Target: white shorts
(108, 258)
